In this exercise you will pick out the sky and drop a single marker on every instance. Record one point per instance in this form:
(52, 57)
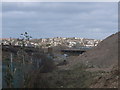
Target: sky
(95, 20)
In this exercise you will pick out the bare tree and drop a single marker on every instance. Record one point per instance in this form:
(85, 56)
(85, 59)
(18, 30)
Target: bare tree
(24, 39)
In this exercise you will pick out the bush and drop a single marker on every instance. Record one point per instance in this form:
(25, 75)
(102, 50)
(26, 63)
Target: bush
(48, 66)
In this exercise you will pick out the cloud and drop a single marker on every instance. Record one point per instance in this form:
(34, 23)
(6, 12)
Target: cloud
(83, 19)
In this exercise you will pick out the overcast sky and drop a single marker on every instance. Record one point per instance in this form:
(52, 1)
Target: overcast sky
(44, 20)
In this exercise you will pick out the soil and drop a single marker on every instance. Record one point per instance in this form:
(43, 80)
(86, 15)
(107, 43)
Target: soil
(105, 55)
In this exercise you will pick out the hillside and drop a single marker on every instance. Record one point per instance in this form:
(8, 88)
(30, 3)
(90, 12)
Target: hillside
(104, 55)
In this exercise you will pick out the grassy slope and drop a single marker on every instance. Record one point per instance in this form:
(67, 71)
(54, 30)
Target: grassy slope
(77, 77)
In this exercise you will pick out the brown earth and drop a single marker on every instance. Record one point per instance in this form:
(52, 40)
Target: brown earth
(105, 55)
(107, 80)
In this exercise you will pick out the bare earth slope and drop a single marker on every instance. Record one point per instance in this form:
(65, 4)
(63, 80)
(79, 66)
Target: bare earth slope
(104, 55)
(108, 80)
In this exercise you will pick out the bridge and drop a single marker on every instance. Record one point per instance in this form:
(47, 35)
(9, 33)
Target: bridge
(73, 51)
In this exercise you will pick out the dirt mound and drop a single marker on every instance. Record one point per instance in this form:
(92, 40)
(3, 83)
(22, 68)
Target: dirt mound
(103, 55)
(109, 80)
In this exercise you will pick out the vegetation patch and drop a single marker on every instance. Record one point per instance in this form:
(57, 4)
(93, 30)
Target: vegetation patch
(76, 78)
